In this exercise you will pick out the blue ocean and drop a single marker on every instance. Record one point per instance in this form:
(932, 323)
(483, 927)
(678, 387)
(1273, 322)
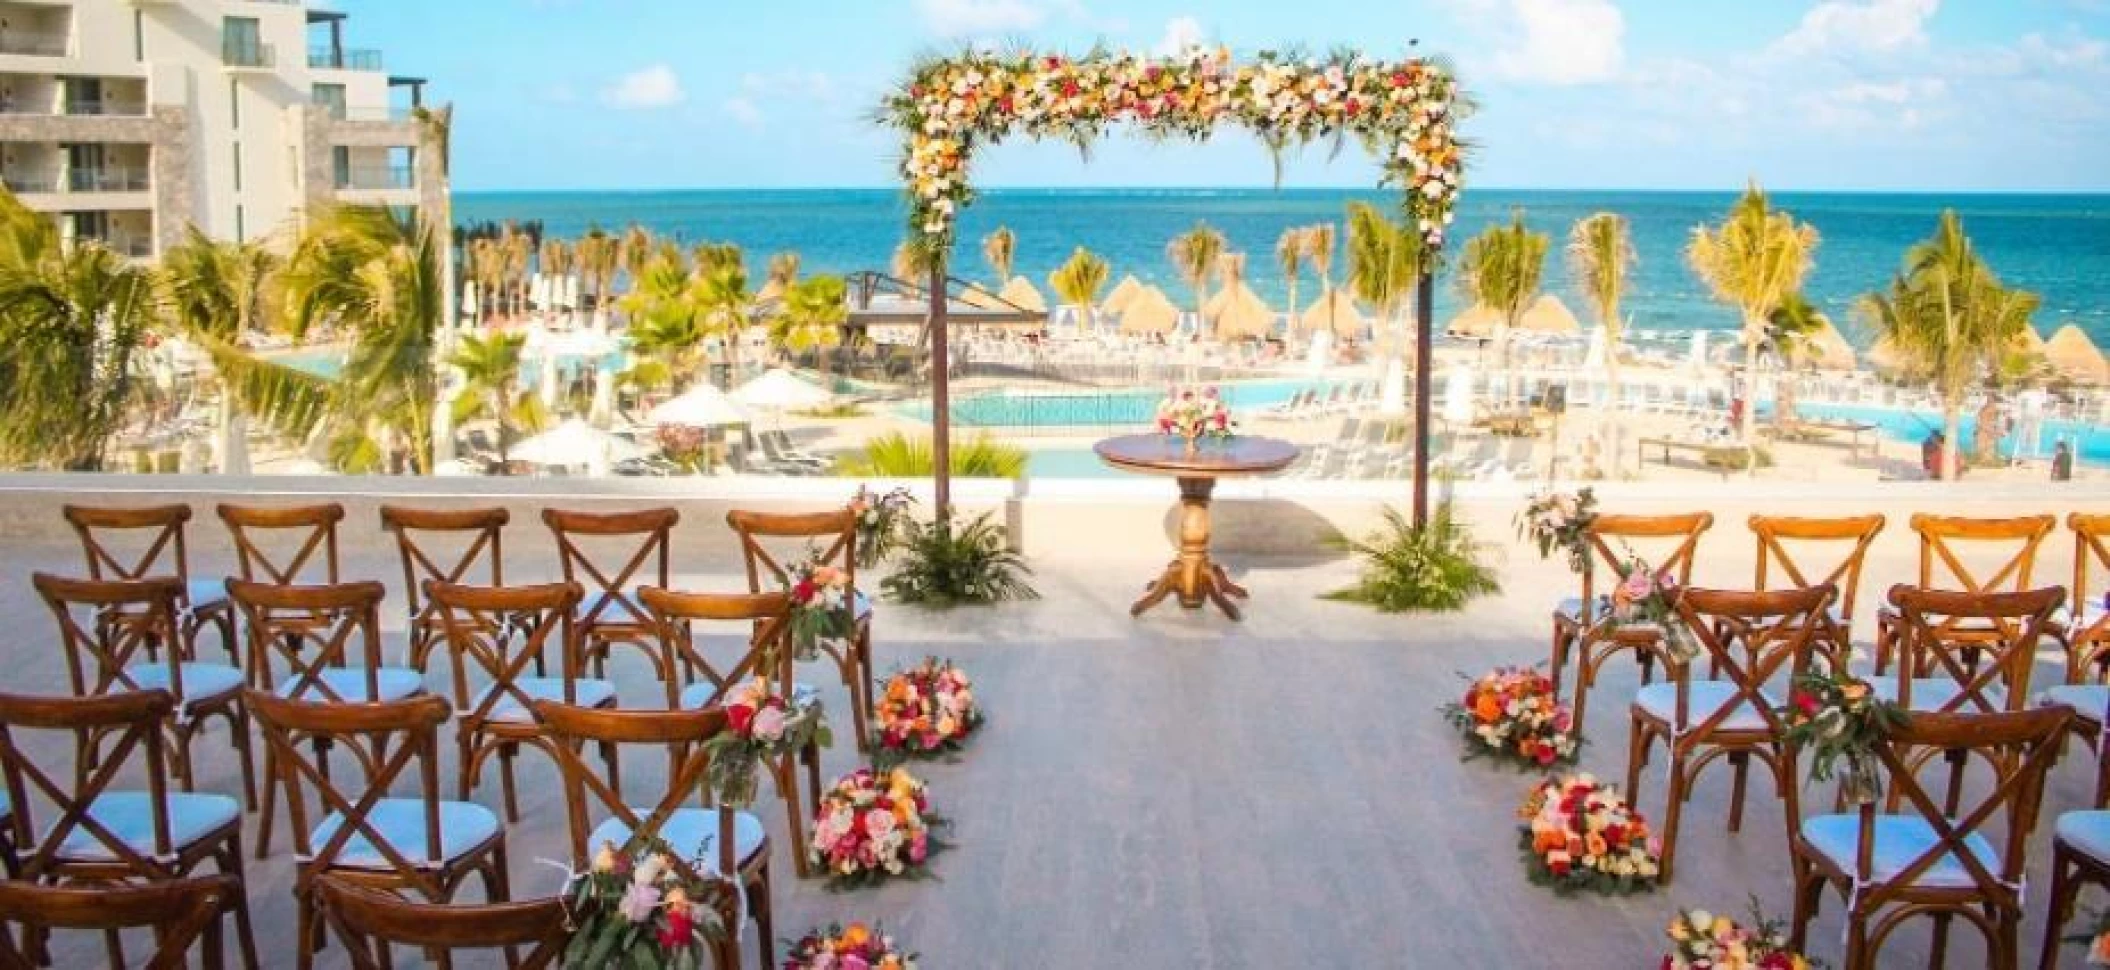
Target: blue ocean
(2055, 245)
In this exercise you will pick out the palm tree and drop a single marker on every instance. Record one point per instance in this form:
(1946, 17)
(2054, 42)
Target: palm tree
(487, 266)
(1600, 254)
(724, 299)
(1752, 261)
(910, 263)
(72, 321)
(518, 250)
(1079, 281)
(812, 317)
(436, 134)
(1791, 330)
(1194, 255)
(1950, 317)
(1384, 265)
(1318, 247)
(553, 259)
(1501, 269)
(782, 272)
(999, 248)
(376, 276)
(667, 328)
(1291, 250)
(598, 255)
(637, 249)
(490, 368)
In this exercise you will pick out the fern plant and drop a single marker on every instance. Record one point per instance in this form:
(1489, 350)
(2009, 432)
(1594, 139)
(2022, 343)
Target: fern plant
(1408, 570)
(944, 564)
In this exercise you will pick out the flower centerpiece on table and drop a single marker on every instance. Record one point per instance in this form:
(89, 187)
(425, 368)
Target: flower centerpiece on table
(925, 710)
(1581, 834)
(855, 947)
(1514, 714)
(637, 906)
(1194, 413)
(761, 725)
(880, 519)
(872, 825)
(1560, 520)
(1704, 941)
(821, 604)
(1838, 718)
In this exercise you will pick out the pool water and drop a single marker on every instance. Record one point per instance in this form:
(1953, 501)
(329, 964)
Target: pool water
(325, 362)
(1130, 407)
(2091, 441)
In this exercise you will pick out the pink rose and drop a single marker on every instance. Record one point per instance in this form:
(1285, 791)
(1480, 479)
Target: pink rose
(879, 823)
(852, 961)
(639, 902)
(918, 848)
(769, 724)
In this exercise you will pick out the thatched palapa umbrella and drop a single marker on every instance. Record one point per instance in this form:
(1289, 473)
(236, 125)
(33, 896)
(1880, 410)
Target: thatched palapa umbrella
(1118, 298)
(1477, 323)
(1549, 315)
(1020, 293)
(1150, 311)
(1337, 308)
(1830, 351)
(2071, 353)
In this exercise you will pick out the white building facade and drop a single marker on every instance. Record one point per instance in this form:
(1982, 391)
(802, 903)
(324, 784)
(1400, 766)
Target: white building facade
(129, 120)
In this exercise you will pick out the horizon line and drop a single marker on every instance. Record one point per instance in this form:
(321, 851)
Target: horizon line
(1573, 190)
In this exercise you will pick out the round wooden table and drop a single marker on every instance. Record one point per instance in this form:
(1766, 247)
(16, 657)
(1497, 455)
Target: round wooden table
(1193, 575)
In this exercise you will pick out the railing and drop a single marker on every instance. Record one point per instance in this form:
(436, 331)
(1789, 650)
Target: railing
(30, 182)
(344, 60)
(369, 178)
(107, 106)
(107, 179)
(236, 53)
(367, 113)
(138, 247)
(33, 42)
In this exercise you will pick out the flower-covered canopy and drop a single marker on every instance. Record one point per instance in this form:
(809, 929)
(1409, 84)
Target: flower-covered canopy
(1403, 110)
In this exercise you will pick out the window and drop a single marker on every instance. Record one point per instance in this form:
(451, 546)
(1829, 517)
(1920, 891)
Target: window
(330, 96)
(341, 163)
(238, 166)
(242, 42)
(139, 35)
(241, 233)
(234, 103)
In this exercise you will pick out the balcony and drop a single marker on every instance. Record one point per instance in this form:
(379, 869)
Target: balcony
(109, 178)
(338, 59)
(107, 107)
(377, 178)
(34, 43)
(123, 244)
(26, 182)
(248, 55)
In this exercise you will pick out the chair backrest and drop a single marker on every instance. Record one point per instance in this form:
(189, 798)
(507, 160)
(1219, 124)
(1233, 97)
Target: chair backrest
(1750, 636)
(387, 739)
(495, 632)
(1674, 541)
(1980, 640)
(178, 911)
(678, 614)
(445, 545)
(588, 796)
(263, 536)
(1811, 552)
(831, 535)
(311, 629)
(125, 724)
(109, 627)
(368, 922)
(153, 537)
(1979, 555)
(641, 543)
(2091, 548)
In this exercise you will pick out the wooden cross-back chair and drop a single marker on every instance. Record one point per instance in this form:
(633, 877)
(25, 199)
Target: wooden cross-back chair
(1944, 860)
(768, 655)
(494, 634)
(1948, 547)
(707, 841)
(1754, 638)
(367, 834)
(100, 833)
(831, 539)
(260, 533)
(1796, 552)
(2080, 850)
(157, 548)
(111, 629)
(2085, 626)
(610, 614)
(446, 546)
(1582, 625)
(181, 913)
(369, 923)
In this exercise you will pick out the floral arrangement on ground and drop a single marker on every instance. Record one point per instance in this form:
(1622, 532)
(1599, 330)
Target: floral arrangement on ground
(639, 906)
(1704, 941)
(871, 826)
(855, 947)
(925, 710)
(761, 725)
(1515, 715)
(1579, 834)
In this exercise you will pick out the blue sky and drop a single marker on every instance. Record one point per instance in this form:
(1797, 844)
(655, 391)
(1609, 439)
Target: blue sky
(1669, 94)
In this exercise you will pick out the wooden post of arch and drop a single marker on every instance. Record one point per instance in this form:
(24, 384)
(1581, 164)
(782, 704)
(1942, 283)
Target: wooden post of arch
(1424, 338)
(940, 393)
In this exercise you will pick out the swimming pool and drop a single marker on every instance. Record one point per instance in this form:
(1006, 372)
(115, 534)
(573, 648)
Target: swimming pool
(322, 362)
(1128, 407)
(2091, 441)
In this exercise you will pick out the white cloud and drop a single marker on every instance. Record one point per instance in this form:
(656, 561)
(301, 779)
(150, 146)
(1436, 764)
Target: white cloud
(975, 18)
(1551, 41)
(1866, 26)
(743, 110)
(1181, 34)
(656, 86)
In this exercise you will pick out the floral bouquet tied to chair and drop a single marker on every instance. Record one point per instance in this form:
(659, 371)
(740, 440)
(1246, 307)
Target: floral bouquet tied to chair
(822, 603)
(761, 724)
(881, 522)
(1560, 520)
(1840, 718)
(638, 907)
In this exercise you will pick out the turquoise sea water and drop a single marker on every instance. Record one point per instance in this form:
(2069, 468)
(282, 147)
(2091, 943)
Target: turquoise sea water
(2056, 245)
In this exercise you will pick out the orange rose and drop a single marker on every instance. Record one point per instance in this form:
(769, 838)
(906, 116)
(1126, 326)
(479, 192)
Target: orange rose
(1595, 844)
(1487, 708)
(856, 935)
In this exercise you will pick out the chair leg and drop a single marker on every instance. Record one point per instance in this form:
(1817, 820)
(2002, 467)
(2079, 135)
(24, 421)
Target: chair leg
(238, 723)
(264, 813)
(858, 712)
(1673, 809)
(1808, 896)
(1637, 745)
(245, 936)
(758, 900)
(1938, 953)
(506, 753)
(2062, 892)
(465, 742)
(1560, 657)
(304, 932)
(612, 758)
(1741, 762)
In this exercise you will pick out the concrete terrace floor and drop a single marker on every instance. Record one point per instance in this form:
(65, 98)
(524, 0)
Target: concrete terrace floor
(1184, 791)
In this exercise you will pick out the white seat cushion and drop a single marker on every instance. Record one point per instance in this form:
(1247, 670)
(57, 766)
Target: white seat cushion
(2088, 832)
(205, 592)
(624, 607)
(1930, 693)
(1660, 701)
(129, 815)
(699, 694)
(860, 606)
(401, 822)
(691, 832)
(586, 692)
(349, 683)
(1900, 839)
(200, 681)
(2091, 613)
(2088, 701)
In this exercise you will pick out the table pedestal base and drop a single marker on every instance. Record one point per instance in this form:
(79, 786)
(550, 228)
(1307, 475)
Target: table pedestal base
(1193, 576)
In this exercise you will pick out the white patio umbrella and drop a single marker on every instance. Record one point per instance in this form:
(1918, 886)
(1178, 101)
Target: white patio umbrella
(574, 443)
(1593, 353)
(1321, 352)
(547, 383)
(602, 411)
(778, 389)
(1697, 357)
(1458, 395)
(702, 406)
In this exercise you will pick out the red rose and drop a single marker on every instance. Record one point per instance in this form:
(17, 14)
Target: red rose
(739, 716)
(803, 591)
(1559, 868)
(1546, 755)
(1806, 703)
